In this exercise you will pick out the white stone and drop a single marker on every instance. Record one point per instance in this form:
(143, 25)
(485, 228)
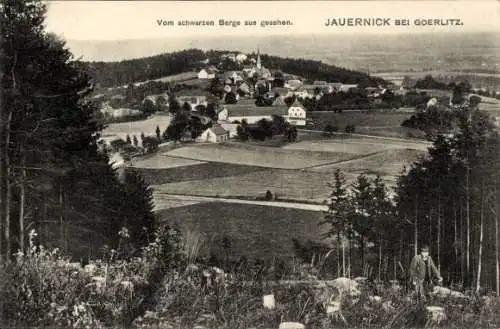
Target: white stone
(268, 301)
(90, 268)
(346, 286)
(127, 285)
(375, 299)
(291, 325)
(446, 292)
(333, 307)
(435, 314)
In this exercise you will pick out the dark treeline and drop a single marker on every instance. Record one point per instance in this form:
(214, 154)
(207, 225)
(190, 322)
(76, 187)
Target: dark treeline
(109, 74)
(54, 178)
(317, 70)
(448, 199)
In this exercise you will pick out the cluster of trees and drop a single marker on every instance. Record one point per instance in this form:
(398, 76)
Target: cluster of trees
(266, 129)
(355, 98)
(330, 129)
(451, 199)
(317, 70)
(53, 177)
(432, 121)
(183, 123)
(110, 74)
(448, 199)
(357, 218)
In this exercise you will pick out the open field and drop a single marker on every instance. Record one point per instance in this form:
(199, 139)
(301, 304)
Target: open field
(147, 126)
(181, 77)
(365, 119)
(392, 131)
(254, 231)
(259, 156)
(434, 73)
(202, 171)
(285, 184)
(162, 162)
(360, 146)
(385, 163)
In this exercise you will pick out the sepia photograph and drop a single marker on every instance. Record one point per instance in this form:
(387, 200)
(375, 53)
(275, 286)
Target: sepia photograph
(249, 164)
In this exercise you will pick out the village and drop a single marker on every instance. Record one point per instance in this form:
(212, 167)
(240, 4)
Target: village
(249, 93)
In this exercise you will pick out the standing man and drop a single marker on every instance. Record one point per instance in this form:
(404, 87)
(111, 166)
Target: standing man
(422, 273)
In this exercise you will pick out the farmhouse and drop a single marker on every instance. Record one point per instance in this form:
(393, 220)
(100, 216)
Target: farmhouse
(193, 97)
(346, 87)
(293, 84)
(279, 101)
(206, 74)
(240, 58)
(297, 114)
(214, 134)
(194, 101)
(244, 88)
(251, 114)
(154, 98)
(233, 77)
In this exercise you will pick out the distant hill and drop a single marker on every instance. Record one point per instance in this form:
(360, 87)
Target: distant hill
(111, 74)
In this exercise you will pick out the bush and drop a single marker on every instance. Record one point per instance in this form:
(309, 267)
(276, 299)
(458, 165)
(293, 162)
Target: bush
(43, 289)
(330, 129)
(350, 129)
(269, 195)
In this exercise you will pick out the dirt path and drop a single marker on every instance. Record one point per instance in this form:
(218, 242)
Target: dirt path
(195, 198)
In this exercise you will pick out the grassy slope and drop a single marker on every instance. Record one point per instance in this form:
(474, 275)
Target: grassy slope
(254, 231)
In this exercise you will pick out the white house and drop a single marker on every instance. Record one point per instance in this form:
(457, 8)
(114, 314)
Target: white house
(251, 114)
(303, 93)
(432, 102)
(293, 84)
(206, 74)
(194, 101)
(346, 87)
(240, 58)
(297, 114)
(214, 134)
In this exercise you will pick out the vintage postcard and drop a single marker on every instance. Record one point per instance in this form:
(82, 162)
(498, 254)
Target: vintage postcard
(249, 164)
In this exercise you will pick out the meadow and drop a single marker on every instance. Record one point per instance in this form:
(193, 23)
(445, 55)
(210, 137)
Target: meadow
(148, 127)
(358, 145)
(254, 231)
(359, 119)
(386, 163)
(237, 153)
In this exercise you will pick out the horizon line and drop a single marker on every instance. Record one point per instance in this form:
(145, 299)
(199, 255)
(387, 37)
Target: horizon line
(296, 34)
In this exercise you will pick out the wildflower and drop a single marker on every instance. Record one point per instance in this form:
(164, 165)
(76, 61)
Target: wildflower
(124, 233)
(127, 285)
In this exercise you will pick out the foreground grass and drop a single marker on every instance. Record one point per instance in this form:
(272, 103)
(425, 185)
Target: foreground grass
(161, 288)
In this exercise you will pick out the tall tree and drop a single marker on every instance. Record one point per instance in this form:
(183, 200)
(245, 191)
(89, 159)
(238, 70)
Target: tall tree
(53, 172)
(339, 211)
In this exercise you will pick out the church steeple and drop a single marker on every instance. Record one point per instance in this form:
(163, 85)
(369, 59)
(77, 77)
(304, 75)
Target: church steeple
(259, 64)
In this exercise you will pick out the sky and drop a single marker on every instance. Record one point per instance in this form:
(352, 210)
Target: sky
(125, 20)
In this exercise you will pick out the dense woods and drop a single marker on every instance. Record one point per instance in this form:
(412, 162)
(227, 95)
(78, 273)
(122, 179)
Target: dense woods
(53, 176)
(111, 74)
(317, 70)
(447, 199)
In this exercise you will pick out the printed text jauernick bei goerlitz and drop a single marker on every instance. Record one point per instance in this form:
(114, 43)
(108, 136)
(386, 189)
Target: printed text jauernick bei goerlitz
(385, 21)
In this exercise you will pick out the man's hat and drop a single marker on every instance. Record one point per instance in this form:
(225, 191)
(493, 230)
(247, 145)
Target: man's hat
(425, 248)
